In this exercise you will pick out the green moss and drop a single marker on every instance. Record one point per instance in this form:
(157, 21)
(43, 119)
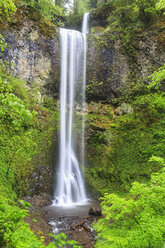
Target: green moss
(46, 27)
(119, 147)
(118, 155)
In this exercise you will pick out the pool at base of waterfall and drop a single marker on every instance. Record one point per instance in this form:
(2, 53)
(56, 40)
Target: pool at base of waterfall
(79, 210)
(57, 203)
(73, 220)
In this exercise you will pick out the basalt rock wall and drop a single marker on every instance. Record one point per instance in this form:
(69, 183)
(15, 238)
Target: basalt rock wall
(33, 53)
(113, 62)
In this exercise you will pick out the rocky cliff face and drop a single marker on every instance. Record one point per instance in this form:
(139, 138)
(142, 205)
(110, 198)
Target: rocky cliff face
(107, 69)
(113, 63)
(33, 55)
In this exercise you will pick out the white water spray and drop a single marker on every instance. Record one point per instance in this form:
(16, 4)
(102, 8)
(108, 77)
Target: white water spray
(70, 184)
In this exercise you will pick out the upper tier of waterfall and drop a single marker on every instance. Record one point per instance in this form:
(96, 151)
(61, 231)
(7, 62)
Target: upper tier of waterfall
(85, 28)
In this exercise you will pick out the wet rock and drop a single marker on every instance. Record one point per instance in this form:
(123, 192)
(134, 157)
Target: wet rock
(75, 223)
(124, 108)
(110, 67)
(41, 200)
(38, 201)
(95, 211)
(107, 69)
(87, 228)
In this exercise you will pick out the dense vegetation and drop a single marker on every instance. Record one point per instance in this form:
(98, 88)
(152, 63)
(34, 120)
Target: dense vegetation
(23, 136)
(128, 143)
(27, 126)
(126, 137)
(138, 220)
(125, 143)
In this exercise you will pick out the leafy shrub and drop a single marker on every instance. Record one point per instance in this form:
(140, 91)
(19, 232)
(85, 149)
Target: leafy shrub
(149, 107)
(157, 78)
(3, 45)
(49, 103)
(15, 233)
(121, 159)
(16, 136)
(138, 220)
(161, 6)
(144, 7)
(47, 8)
(7, 8)
(25, 139)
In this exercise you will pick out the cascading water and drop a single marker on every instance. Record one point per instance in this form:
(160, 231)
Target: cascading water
(70, 184)
(85, 31)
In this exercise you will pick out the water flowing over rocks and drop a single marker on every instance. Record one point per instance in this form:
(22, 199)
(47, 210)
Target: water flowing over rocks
(75, 222)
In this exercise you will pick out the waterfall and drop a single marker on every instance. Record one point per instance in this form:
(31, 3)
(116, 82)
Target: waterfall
(85, 29)
(70, 183)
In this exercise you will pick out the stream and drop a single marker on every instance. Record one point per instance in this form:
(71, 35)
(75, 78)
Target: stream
(74, 221)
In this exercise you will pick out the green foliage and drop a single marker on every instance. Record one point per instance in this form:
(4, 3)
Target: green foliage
(119, 148)
(61, 241)
(104, 2)
(160, 6)
(144, 7)
(81, 6)
(19, 134)
(128, 20)
(61, 3)
(49, 103)
(74, 19)
(149, 108)
(124, 12)
(93, 85)
(47, 8)
(3, 45)
(16, 136)
(138, 220)
(98, 148)
(14, 113)
(144, 87)
(92, 3)
(157, 78)
(15, 233)
(7, 8)
(26, 131)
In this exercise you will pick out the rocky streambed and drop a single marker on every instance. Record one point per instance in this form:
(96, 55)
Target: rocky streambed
(75, 222)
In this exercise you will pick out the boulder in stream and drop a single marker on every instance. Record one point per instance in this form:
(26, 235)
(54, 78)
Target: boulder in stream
(95, 211)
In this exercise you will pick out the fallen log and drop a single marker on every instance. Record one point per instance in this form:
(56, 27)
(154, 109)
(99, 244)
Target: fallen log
(77, 225)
